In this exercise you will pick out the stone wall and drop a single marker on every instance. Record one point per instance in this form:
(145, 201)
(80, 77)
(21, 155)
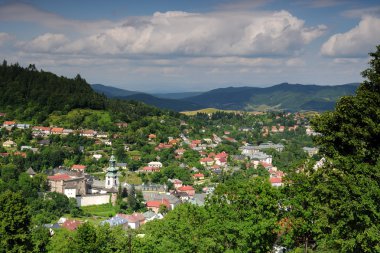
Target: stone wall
(96, 199)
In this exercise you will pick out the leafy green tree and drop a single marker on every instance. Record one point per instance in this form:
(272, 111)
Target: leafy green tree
(353, 129)
(300, 212)
(14, 223)
(86, 239)
(163, 209)
(62, 242)
(346, 190)
(176, 233)
(244, 216)
(131, 199)
(40, 237)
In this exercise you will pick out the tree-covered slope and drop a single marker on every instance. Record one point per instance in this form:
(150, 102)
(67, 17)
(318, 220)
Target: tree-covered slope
(112, 91)
(31, 95)
(290, 97)
(30, 90)
(171, 104)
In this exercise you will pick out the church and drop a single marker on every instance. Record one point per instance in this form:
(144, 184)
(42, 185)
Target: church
(112, 179)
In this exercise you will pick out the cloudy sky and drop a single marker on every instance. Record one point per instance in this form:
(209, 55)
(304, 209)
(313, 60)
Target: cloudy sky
(193, 45)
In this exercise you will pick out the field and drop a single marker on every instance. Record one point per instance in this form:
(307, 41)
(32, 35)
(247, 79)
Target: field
(214, 110)
(131, 178)
(80, 117)
(105, 210)
(208, 110)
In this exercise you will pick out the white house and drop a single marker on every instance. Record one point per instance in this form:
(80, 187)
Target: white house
(155, 164)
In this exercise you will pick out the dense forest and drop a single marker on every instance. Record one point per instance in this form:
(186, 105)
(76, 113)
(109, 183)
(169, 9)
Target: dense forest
(31, 95)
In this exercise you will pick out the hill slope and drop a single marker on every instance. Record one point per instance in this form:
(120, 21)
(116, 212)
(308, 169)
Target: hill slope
(111, 92)
(171, 104)
(164, 102)
(177, 95)
(31, 95)
(289, 97)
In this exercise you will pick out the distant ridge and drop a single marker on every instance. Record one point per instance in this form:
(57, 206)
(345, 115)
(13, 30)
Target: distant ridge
(177, 95)
(111, 92)
(172, 104)
(284, 96)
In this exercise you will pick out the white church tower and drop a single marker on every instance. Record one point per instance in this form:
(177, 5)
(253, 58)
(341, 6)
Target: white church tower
(112, 179)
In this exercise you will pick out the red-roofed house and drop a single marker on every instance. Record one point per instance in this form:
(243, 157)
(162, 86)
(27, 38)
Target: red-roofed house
(57, 130)
(22, 154)
(155, 204)
(9, 144)
(281, 129)
(71, 224)
(266, 165)
(196, 142)
(215, 167)
(79, 167)
(163, 146)
(88, 133)
(203, 153)
(149, 169)
(188, 189)
(221, 155)
(135, 220)
(180, 151)
(41, 130)
(122, 124)
(9, 124)
(152, 136)
(221, 161)
(59, 177)
(207, 161)
(176, 183)
(173, 142)
(65, 184)
(276, 181)
(211, 155)
(199, 176)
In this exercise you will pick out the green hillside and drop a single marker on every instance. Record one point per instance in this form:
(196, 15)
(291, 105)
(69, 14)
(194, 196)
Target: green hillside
(289, 97)
(32, 96)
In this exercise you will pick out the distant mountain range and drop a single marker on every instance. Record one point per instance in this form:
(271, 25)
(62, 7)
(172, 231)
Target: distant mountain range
(286, 97)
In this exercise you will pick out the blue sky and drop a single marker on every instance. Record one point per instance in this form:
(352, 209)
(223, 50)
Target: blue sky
(197, 45)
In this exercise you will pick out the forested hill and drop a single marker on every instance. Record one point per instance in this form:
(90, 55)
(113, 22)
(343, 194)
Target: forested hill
(32, 95)
(288, 97)
(284, 97)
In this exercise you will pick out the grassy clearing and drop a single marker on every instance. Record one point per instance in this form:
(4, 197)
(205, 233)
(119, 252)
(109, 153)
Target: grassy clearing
(208, 110)
(131, 178)
(80, 117)
(105, 210)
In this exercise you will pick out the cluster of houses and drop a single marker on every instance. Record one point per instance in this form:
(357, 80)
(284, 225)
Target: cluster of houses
(214, 161)
(258, 157)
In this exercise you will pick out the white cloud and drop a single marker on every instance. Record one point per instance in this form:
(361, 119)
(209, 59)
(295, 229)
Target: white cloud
(5, 37)
(295, 62)
(232, 61)
(355, 43)
(30, 14)
(192, 34)
(45, 43)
